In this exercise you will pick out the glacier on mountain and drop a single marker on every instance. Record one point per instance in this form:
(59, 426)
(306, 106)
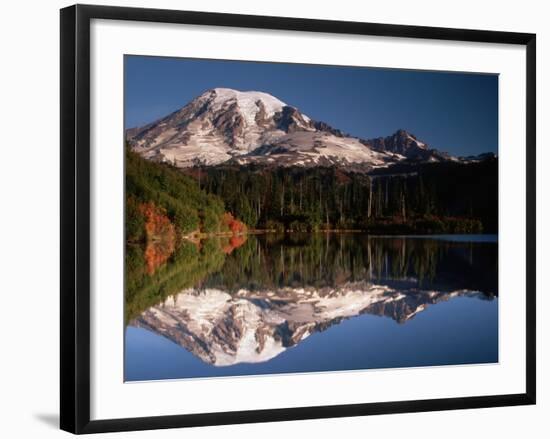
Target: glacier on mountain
(223, 125)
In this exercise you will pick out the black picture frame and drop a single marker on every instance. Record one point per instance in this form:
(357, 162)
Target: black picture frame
(75, 217)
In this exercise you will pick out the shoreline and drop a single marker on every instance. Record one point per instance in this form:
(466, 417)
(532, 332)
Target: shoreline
(197, 236)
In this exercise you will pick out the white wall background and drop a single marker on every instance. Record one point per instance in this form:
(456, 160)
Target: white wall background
(29, 217)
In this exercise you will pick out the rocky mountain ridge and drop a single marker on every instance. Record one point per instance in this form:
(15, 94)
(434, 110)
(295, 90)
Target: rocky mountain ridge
(255, 326)
(226, 126)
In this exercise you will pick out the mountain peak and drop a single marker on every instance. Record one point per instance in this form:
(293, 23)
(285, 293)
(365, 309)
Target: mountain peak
(247, 101)
(227, 125)
(403, 143)
(406, 136)
(260, 329)
(402, 133)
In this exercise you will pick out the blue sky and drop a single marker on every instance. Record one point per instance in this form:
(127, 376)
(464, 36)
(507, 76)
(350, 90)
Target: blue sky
(453, 112)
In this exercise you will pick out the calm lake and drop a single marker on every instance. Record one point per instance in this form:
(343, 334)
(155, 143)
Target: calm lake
(293, 303)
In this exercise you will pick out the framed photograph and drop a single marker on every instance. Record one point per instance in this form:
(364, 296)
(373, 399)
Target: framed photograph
(267, 218)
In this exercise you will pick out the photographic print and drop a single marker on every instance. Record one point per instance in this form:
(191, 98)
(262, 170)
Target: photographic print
(293, 218)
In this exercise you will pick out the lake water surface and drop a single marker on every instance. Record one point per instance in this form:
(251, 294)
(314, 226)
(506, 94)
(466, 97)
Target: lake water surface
(309, 303)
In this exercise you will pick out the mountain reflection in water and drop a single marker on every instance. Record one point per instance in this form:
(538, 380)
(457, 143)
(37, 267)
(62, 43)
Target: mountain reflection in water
(274, 291)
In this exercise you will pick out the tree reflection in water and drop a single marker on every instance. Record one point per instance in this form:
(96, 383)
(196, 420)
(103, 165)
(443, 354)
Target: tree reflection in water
(230, 301)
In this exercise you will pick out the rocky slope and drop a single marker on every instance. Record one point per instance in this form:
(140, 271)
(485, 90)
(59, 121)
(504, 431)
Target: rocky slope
(407, 145)
(229, 126)
(254, 326)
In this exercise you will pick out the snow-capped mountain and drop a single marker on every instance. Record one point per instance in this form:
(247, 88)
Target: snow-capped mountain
(316, 148)
(407, 145)
(229, 126)
(254, 326)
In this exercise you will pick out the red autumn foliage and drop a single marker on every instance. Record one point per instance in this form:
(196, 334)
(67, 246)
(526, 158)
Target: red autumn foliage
(157, 223)
(161, 236)
(234, 225)
(234, 242)
(237, 228)
(156, 254)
